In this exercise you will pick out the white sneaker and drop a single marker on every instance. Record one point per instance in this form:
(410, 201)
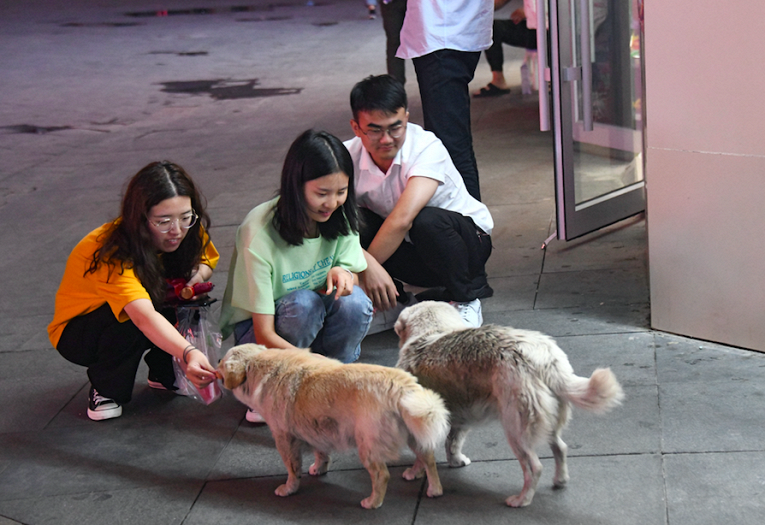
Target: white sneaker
(471, 313)
(253, 417)
(385, 320)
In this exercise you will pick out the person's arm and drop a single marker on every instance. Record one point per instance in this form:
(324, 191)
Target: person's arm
(201, 274)
(264, 329)
(164, 335)
(378, 284)
(416, 194)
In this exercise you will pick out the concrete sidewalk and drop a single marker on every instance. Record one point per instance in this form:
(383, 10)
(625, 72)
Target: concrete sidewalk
(94, 90)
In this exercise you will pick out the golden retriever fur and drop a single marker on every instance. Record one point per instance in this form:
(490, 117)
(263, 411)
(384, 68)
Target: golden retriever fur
(308, 399)
(520, 377)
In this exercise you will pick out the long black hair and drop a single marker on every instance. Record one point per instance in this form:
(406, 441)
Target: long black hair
(312, 155)
(129, 241)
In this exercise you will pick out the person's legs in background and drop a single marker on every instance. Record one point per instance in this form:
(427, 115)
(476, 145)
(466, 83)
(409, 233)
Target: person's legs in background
(443, 77)
(393, 12)
(512, 34)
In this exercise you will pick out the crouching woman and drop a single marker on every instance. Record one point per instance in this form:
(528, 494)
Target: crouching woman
(292, 281)
(109, 303)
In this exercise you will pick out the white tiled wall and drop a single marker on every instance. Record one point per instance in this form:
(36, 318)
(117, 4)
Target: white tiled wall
(705, 103)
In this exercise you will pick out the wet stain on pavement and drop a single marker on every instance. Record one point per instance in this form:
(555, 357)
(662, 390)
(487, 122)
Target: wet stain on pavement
(102, 24)
(181, 53)
(264, 19)
(324, 24)
(34, 130)
(226, 89)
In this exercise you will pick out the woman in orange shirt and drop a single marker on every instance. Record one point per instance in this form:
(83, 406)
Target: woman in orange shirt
(109, 304)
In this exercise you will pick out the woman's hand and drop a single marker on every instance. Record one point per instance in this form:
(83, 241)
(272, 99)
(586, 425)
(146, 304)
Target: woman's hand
(340, 280)
(199, 371)
(202, 274)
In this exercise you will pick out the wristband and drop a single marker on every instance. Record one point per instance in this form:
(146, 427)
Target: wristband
(187, 351)
(347, 270)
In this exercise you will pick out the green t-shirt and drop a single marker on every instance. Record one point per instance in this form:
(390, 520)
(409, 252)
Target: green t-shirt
(264, 267)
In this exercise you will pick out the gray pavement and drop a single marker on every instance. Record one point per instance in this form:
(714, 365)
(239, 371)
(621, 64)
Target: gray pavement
(89, 94)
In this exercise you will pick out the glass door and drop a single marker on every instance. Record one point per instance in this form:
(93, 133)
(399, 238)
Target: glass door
(596, 78)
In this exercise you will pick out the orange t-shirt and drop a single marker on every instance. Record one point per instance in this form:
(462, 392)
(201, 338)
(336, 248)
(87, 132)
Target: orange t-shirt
(81, 293)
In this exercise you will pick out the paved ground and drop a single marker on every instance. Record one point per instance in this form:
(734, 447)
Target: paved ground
(90, 94)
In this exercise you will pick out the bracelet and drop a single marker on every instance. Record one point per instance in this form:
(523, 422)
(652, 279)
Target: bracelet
(347, 270)
(187, 351)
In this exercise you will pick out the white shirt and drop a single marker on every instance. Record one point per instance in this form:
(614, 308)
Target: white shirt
(421, 155)
(430, 25)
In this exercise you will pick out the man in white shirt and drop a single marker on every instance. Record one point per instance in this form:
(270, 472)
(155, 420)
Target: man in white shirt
(421, 225)
(444, 39)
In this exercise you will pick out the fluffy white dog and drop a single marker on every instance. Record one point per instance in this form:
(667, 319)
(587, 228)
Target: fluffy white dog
(520, 377)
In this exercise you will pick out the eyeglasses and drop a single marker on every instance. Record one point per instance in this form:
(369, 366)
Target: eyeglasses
(395, 131)
(185, 222)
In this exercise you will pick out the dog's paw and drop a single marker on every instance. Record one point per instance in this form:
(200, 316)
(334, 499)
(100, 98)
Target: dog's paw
(413, 473)
(559, 483)
(459, 460)
(285, 490)
(372, 502)
(435, 491)
(519, 500)
(318, 470)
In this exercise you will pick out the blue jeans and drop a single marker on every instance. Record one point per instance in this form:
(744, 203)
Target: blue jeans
(330, 327)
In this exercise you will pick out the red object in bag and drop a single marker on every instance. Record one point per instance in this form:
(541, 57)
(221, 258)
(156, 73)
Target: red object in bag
(178, 291)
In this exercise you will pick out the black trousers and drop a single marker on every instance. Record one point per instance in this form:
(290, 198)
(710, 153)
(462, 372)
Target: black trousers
(512, 34)
(443, 77)
(447, 250)
(112, 352)
(393, 19)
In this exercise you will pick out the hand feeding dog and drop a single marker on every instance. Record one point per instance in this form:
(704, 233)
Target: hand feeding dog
(520, 377)
(308, 399)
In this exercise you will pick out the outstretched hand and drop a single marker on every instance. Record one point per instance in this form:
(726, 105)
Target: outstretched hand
(199, 370)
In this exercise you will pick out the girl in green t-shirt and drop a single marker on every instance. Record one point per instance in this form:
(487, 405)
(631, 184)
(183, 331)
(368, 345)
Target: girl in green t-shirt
(292, 281)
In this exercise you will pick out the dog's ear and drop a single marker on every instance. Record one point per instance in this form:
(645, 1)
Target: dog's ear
(233, 367)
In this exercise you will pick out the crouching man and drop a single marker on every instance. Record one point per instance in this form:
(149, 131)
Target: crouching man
(421, 226)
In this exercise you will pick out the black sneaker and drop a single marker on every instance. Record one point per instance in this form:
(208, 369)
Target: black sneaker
(100, 407)
(372, 12)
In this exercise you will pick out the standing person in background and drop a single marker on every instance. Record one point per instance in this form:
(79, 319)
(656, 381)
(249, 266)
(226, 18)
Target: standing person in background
(519, 31)
(393, 12)
(444, 39)
(371, 8)
(293, 276)
(109, 304)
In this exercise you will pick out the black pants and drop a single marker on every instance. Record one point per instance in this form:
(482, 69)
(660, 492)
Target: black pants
(443, 77)
(512, 34)
(393, 19)
(112, 352)
(446, 250)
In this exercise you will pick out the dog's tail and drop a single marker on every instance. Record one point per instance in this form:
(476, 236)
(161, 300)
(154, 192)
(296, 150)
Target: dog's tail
(599, 393)
(426, 417)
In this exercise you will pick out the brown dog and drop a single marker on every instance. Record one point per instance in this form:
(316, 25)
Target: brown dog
(520, 377)
(310, 399)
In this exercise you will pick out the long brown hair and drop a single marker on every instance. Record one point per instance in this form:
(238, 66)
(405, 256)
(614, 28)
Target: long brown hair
(129, 242)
